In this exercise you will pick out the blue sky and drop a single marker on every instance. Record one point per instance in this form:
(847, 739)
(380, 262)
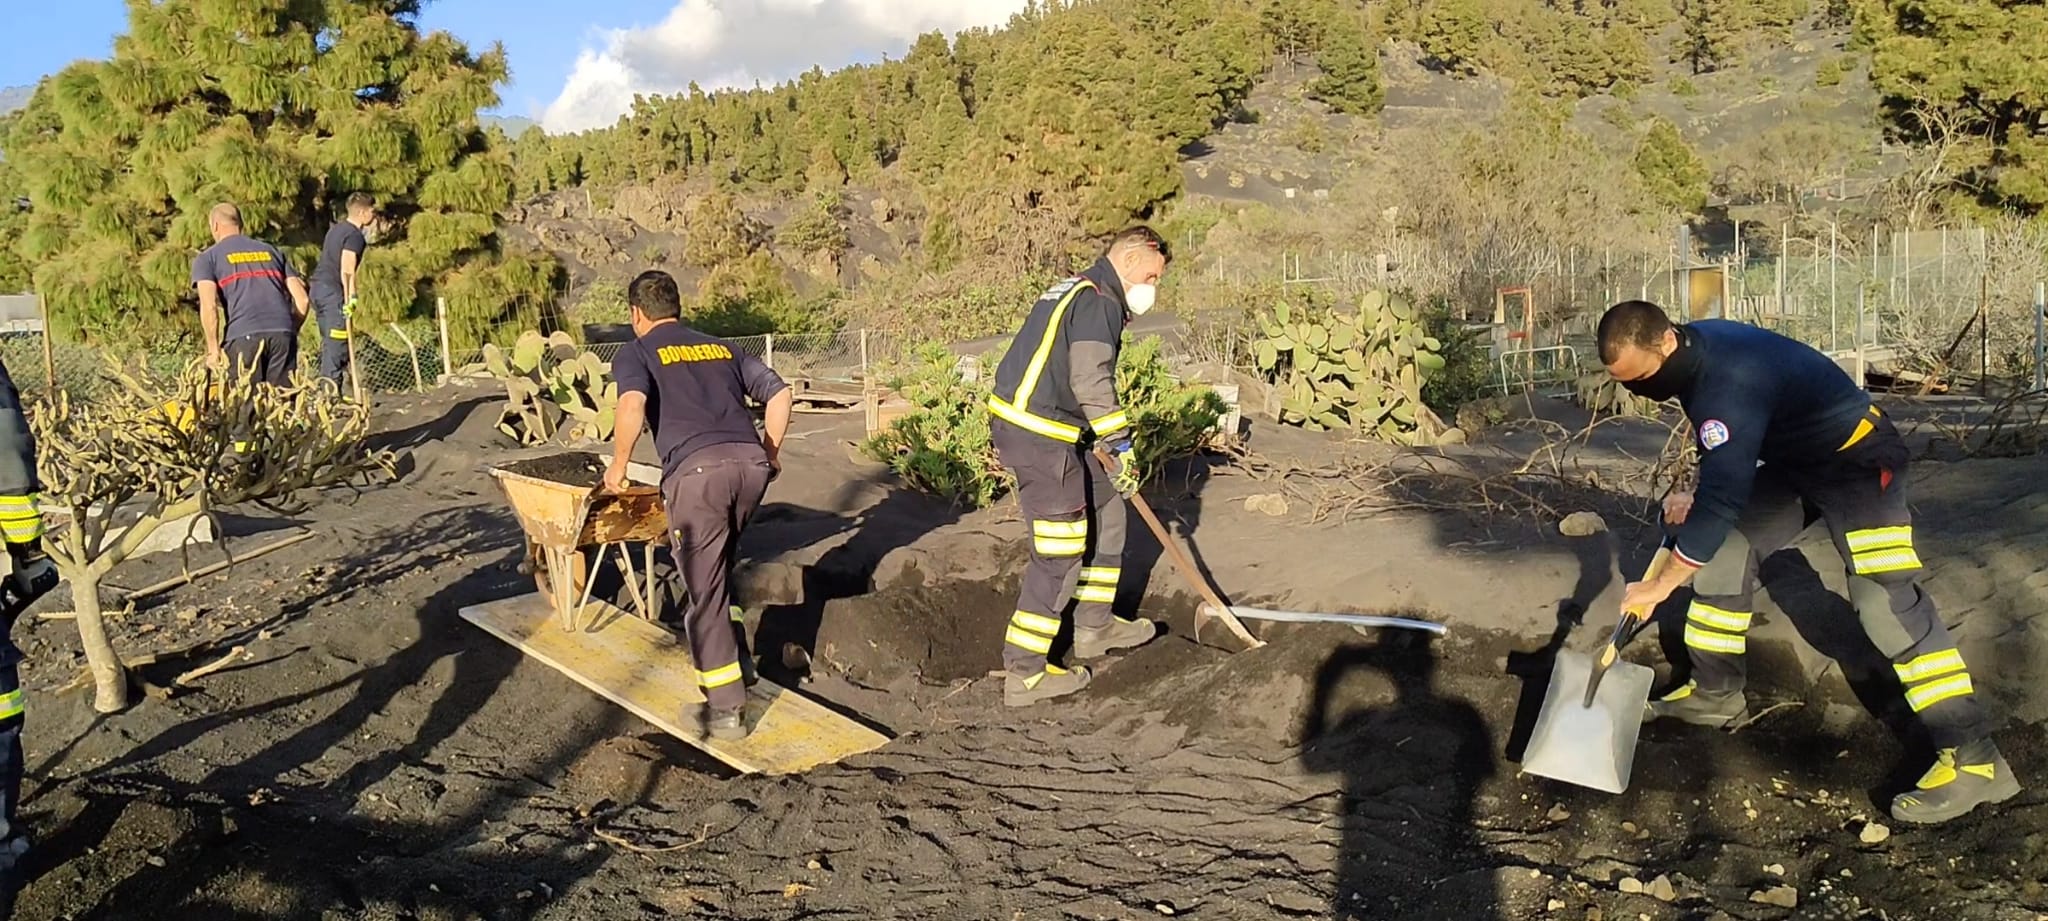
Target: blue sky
(577, 63)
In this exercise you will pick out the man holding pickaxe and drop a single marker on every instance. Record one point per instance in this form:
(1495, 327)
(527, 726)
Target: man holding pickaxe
(1055, 398)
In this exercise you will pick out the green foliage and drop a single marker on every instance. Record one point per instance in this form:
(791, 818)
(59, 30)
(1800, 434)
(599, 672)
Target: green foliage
(1953, 70)
(1350, 60)
(1467, 374)
(1834, 70)
(283, 109)
(942, 445)
(1363, 371)
(603, 301)
(548, 378)
(751, 297)
(818, 228)
(719, 232)
(1169, 419)
(1671, 170)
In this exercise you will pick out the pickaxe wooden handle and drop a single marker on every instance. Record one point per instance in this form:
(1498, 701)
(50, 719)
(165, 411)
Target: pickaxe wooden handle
(1183, 565)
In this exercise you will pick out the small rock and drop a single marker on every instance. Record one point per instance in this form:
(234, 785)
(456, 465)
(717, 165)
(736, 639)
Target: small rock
(1558, 813)
(1848, 873)
(1662, 890)
(1875, 833)
(1776, 869)
(814, 865)
(1631, 885)
(1781, 896)
(1628, 827)
(1272, 505)
(1163, 908)
(1581, 524)
(1556, 905)
(155, 861)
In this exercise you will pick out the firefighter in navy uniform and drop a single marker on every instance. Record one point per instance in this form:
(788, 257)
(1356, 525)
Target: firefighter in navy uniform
(692, 389)
(1785, 439)
(1054, 400)
(29, 574)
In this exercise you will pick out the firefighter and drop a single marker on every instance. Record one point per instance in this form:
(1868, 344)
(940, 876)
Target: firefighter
(29, 574)
(1785, 439)
(692, 390)
(1054, 401)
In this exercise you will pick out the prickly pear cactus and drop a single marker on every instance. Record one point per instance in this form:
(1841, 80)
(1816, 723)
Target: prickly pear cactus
(549, 379)
(1362, 370)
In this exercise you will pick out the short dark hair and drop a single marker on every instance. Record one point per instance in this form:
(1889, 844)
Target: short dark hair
(1139, 235)
(654, 292)
(1638, 323)
(361, 201)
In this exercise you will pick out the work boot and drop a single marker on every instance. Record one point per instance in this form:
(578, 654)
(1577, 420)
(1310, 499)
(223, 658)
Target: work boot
(1021, 691)
(725, 725)
(1960, 780)
(1095, 642)
(1689, 704)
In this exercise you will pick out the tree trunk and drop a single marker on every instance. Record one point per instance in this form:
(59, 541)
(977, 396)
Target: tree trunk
(110, 679)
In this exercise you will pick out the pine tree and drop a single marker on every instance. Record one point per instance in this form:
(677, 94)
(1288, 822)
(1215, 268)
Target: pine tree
(1350, 61)
(1672, 172)
(283, 108)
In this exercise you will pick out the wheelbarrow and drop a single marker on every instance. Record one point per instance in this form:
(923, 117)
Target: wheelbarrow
(563, 520)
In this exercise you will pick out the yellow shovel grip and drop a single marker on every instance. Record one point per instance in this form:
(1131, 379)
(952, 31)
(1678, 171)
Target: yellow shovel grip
(1656, 568)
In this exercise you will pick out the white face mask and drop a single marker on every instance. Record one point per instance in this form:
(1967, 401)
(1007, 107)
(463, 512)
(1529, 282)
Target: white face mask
(1140, 298)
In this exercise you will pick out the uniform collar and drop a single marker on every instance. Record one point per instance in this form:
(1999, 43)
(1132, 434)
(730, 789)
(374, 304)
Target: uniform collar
(1103, 274)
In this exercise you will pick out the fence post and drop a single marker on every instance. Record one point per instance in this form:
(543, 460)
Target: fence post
(441, 321)
(2040, 335)
(863, 352)
(768, 349)
(49, 351)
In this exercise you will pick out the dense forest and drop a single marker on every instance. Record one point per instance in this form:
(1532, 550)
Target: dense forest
(1009, 148)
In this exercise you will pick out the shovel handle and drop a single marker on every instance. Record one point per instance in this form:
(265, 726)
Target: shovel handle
(1182, 565)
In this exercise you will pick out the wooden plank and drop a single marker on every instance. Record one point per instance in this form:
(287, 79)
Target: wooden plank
(647, 670)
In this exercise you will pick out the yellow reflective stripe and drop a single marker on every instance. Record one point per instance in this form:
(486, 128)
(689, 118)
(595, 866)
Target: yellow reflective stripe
(1058, 431)
(1931, 665)
(28, 514)
(1028, 641)
(14, 505)
(338, 333)
(738, 616)
(1044, 527)
(1097, 594)
(1101, 574)
(1883, 561)
(1863, 428)
(1718, 618)
(1022, 399)
(1701, 638)
(1036, 623)
(11, 704)
(21, 532)
(1934, 692)
(720, 677)
(1681, 693)
(1061, 546)
(1880, 538)
(242, 447)
(1112, 423)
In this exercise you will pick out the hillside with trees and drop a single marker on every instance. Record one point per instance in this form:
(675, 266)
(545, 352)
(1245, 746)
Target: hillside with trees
(939, 188)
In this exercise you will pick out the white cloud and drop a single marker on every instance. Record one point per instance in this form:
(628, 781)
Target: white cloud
(724, 44)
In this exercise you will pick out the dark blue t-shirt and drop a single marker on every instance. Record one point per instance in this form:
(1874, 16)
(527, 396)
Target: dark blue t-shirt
(343, 237)
(251, 275)
(696, 387)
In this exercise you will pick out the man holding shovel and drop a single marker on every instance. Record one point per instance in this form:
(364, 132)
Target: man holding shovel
(1785, 439)
(1055, 399)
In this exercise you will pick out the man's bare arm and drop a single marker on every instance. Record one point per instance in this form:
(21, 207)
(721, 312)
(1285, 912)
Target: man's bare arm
(209, 316)
(302, 303)
(348, 275)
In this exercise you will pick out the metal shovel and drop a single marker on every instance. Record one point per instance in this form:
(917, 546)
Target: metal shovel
(1586, 731)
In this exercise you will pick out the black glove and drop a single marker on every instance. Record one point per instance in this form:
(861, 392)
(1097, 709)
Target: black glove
(33, 575)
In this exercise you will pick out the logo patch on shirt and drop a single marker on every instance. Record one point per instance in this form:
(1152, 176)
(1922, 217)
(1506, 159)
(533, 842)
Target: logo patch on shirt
(1713, 434)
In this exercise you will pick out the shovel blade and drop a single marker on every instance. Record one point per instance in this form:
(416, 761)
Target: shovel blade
(1589, 746)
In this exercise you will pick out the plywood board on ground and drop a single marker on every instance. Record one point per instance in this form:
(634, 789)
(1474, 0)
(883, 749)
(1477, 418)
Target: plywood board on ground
(647, 670)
